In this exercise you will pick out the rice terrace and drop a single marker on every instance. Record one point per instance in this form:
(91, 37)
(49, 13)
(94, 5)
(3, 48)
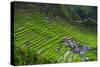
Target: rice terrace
(54, 33)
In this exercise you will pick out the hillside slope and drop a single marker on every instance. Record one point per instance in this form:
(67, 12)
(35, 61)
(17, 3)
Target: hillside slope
(39, 34)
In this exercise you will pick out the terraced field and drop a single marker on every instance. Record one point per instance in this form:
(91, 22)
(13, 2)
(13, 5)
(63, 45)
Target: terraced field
(38, 39)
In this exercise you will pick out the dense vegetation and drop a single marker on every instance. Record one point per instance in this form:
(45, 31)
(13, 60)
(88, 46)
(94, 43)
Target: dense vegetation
(40, 28)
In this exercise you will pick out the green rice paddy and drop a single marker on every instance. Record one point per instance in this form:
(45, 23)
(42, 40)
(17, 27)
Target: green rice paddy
(36, 39)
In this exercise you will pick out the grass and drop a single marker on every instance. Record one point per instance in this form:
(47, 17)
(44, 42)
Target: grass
(37, 38)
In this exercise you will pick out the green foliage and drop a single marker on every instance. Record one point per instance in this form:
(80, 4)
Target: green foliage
(37, 37)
